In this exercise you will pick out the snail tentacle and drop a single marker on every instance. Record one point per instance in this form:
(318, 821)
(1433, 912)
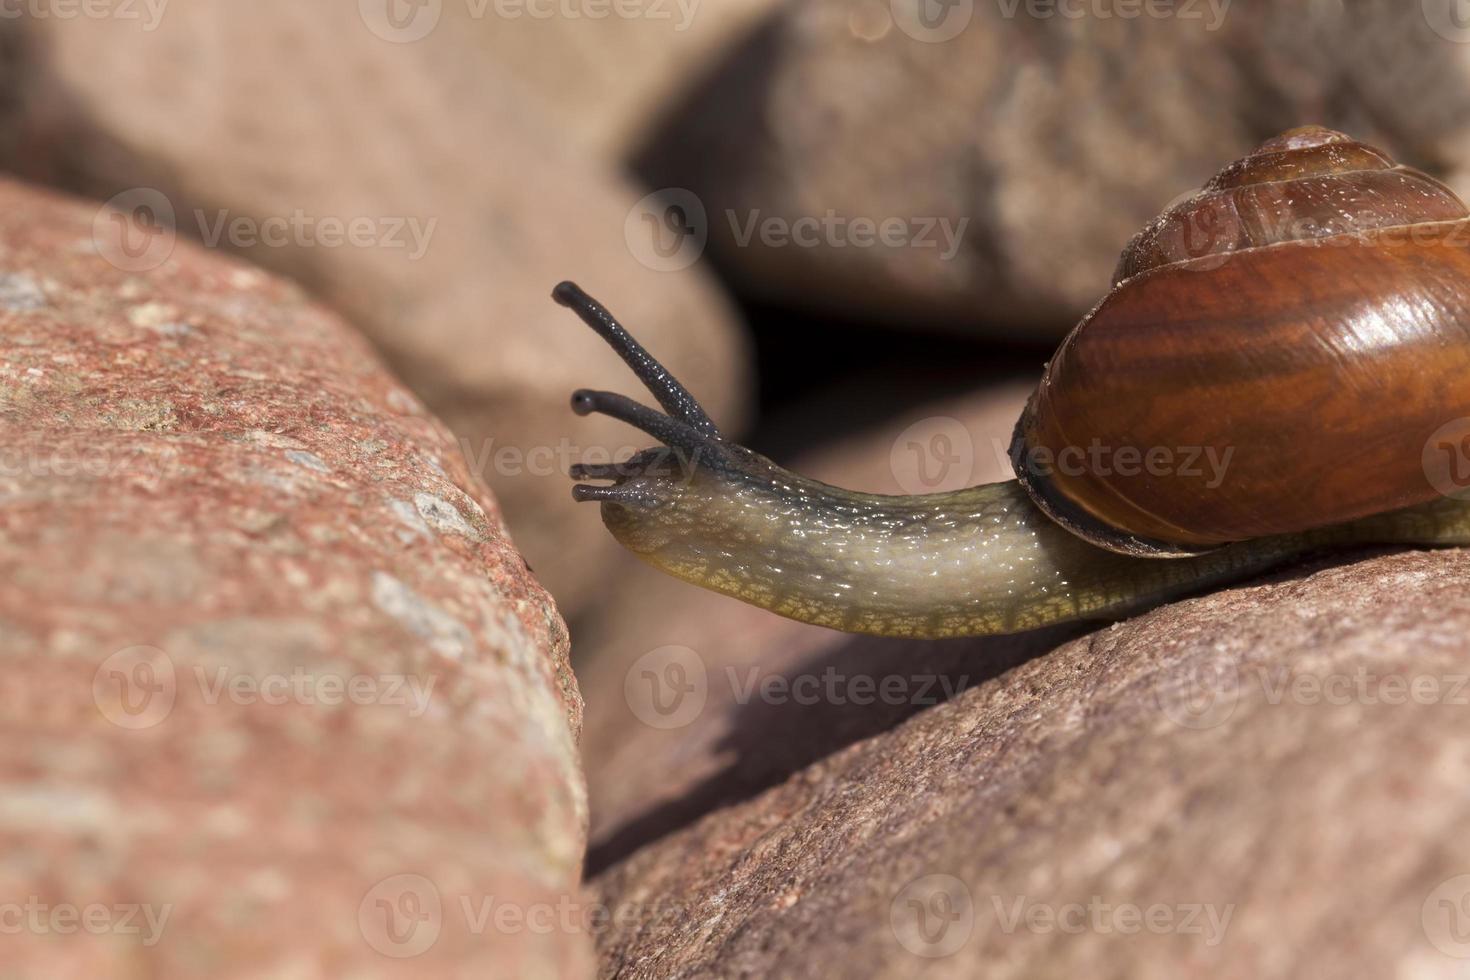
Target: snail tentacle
(673, 396)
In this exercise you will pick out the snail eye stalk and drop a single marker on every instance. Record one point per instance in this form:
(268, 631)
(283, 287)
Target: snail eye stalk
(673, 396)
(688, 434)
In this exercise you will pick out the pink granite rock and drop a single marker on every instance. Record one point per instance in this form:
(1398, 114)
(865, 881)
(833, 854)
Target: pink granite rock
(412, 186)
(1267, 781)
(280, 698)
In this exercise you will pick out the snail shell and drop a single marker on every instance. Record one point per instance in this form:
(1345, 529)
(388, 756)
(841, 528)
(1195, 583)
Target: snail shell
(1304, 320)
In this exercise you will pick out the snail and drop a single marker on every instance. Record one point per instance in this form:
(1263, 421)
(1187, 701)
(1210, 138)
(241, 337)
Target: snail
(1305, 316)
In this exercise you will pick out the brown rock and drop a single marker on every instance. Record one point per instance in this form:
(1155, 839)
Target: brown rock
(279, 695)
(650, 770)
(608, 72)
(274, 128)
(1048, 133)
(1266, 781)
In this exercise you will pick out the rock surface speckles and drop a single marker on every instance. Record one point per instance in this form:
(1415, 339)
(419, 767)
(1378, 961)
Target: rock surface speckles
(1267, 781)
(274, 673)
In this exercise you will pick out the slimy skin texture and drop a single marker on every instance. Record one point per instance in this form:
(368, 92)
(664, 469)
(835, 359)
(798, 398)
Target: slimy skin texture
(973, 562)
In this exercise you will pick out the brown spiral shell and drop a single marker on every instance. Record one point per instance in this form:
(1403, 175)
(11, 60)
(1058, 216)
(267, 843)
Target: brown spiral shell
(1273, 356)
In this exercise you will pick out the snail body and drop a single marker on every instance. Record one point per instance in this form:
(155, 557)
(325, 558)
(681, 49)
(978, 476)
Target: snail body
(1305, 317)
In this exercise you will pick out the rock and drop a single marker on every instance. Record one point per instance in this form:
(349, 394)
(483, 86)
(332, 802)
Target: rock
(654, 761)
(608, 72)
(981, 165)
(1265, 781)
(279, 693)
(412, 187)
